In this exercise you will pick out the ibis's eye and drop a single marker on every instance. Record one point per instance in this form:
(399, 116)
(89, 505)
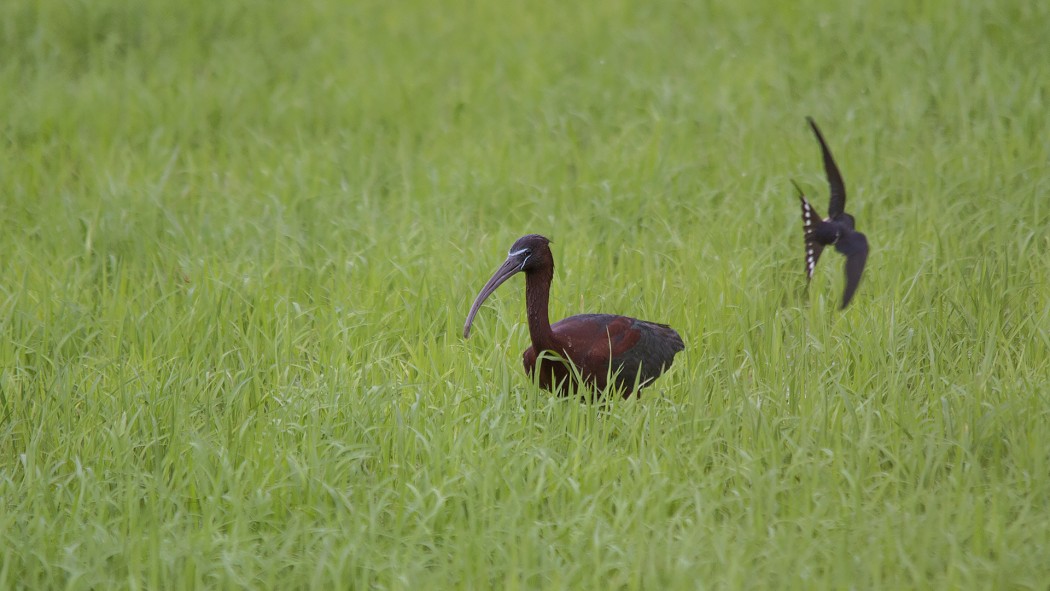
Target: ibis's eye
(528, 252)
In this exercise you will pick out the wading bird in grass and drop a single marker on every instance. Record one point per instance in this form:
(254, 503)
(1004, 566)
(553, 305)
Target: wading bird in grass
(631, 352)
(837, 228)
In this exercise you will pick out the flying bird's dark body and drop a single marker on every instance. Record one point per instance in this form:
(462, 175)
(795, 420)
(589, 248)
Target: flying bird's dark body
(632, 352)
(838, 228)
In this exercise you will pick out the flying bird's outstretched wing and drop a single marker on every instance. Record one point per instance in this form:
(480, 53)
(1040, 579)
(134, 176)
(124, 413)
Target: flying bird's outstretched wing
(855, 246)
(810, 221)
(837, 204)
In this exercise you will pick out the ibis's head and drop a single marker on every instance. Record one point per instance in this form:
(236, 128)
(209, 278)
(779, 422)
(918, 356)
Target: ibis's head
(528, 254)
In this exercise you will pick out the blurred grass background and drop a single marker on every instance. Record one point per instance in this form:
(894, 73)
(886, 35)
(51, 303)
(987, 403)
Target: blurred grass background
(241, 239)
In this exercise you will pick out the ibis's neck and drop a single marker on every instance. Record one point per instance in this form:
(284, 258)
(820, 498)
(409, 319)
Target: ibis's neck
(537, 297)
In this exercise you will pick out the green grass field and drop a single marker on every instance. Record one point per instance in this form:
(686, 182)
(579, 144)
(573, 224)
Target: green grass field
(240, 241)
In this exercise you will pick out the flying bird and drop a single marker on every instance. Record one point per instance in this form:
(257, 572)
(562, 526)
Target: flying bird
(838, 228)
(631, 352)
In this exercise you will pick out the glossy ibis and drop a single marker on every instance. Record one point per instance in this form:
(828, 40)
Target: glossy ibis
(633, 352)
(837, 228)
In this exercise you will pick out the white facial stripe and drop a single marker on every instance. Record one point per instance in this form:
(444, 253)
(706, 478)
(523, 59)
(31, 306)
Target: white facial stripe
(517, 252)
(523, 262)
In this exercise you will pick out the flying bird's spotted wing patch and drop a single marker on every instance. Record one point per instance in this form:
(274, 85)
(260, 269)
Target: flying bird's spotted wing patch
(810, 221)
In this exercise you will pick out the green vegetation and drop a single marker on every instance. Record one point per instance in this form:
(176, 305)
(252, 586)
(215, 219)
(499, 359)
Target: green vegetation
(240, 240)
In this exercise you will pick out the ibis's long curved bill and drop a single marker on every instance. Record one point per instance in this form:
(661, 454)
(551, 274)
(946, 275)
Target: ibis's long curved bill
(512, 265)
